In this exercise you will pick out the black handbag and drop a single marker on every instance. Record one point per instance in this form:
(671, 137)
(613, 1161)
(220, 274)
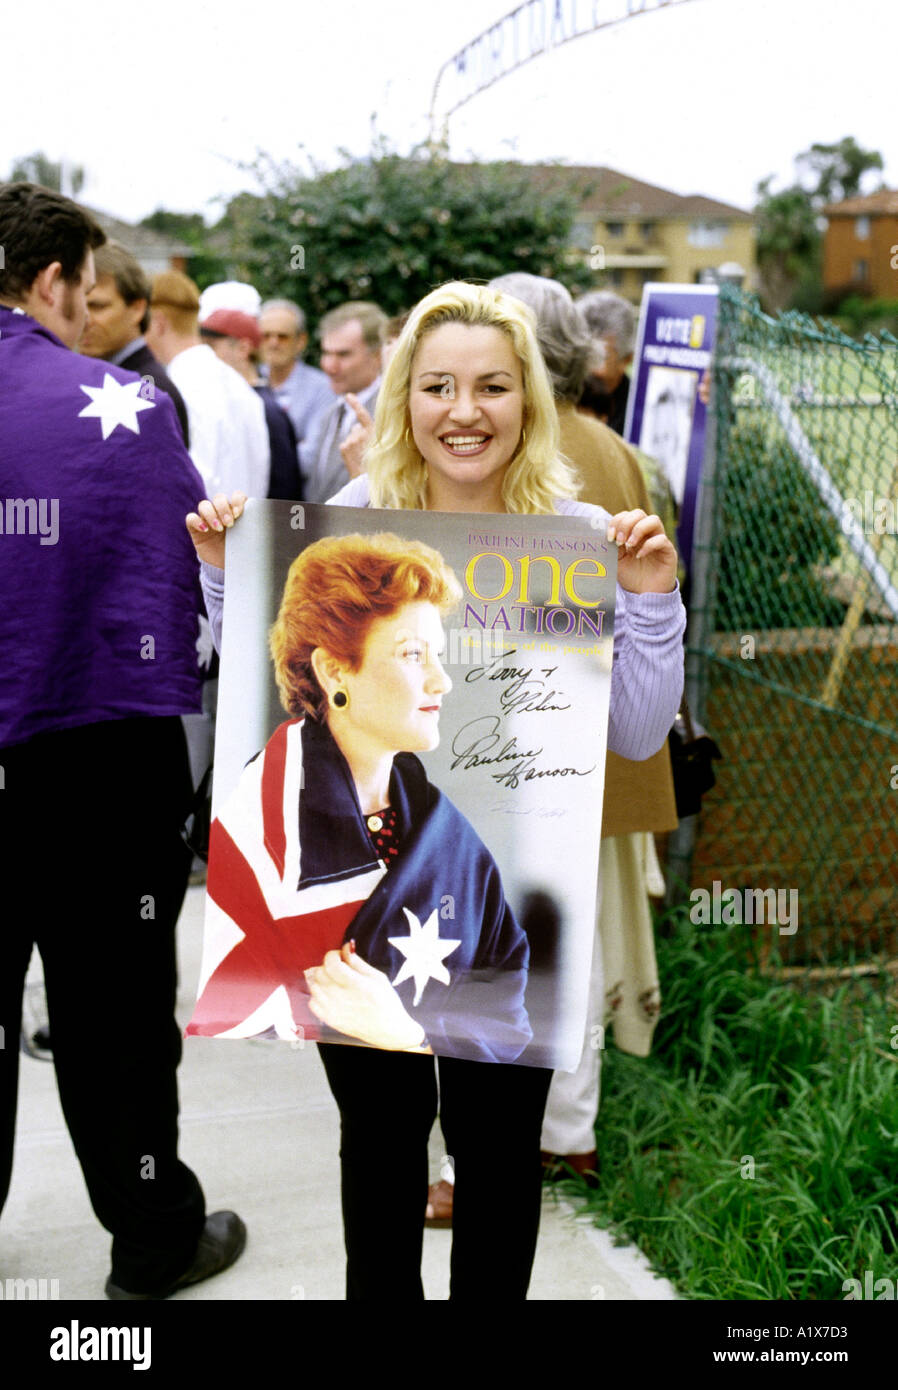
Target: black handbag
(692, 752)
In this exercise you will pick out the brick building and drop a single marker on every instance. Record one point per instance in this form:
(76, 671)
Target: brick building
(860, 246)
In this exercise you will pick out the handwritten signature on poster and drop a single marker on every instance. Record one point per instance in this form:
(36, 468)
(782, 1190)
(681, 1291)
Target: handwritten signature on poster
(479, 742)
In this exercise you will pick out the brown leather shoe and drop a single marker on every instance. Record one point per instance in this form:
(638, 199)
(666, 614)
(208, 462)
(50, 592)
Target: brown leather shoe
(438, 1212)
(559, 1166)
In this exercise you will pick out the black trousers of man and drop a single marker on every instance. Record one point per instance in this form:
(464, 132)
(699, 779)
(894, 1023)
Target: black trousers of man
(491, 1115)
(94, 874)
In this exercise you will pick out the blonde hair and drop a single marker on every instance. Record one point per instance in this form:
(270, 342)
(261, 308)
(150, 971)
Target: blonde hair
(178, 297)
(537, 474)
(336, 588)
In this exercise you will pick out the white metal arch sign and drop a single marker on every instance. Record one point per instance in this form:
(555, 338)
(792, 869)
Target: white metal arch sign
(532, 29)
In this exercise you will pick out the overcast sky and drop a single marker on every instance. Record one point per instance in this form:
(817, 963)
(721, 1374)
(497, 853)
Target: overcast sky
(162, 102)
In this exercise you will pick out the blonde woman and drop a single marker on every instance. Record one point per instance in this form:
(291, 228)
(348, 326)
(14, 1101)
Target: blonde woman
(465, 422)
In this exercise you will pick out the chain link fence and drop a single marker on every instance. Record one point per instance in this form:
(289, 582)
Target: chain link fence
(793, 640)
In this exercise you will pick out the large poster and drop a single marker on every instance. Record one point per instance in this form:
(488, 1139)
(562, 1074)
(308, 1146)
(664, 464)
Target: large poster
(667, 404)
(414, 863)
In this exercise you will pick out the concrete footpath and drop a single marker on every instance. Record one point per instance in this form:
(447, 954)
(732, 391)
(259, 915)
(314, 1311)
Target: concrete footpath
(260, 1128)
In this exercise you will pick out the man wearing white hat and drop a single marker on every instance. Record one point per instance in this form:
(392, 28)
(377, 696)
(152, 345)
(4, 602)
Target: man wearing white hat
(230, 294)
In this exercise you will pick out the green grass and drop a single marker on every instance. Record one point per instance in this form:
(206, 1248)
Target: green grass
(749, 1076)
(857, 443)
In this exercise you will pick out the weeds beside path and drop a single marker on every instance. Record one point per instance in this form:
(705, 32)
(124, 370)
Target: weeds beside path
(754, 1155)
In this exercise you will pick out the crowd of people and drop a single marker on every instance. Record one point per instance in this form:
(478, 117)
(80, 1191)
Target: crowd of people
(137, 403)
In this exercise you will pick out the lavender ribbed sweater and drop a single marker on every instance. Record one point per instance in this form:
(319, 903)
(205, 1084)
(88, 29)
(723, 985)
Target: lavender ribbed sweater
(647, 675)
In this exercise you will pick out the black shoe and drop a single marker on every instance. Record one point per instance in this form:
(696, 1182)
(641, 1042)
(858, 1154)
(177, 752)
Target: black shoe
(220, 1245)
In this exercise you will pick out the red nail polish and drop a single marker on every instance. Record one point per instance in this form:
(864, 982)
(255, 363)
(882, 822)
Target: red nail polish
(352, 947)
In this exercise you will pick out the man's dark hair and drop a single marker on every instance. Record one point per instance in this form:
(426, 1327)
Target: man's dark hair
(38, 227)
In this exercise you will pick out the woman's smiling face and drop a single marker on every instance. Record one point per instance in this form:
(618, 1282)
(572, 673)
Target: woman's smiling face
(466, 402)
(394, 697)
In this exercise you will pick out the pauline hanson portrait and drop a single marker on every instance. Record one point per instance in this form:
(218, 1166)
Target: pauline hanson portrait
(349, 900)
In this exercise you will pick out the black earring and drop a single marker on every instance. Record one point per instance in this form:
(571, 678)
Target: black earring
(340, 699)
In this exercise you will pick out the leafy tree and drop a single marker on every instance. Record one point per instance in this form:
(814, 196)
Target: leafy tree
(205, 265)
(389, 228)
(231, 240)
(860, 316)
(788, 242)
(187, 226)
(788, 225)
(39, 168)
(837, 169)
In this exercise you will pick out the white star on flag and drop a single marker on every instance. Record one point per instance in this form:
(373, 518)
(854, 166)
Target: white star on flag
(115, 403)
(424, 951)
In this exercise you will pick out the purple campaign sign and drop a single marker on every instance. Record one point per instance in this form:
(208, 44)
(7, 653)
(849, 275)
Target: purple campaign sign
(666, 416)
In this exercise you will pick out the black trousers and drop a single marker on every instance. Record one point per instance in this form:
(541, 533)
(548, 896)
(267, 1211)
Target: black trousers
(95, 873)
(491, 1115)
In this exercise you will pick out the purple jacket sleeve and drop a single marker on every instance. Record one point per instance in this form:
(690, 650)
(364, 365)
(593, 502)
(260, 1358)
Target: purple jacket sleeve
(212, 580)
(647, 675)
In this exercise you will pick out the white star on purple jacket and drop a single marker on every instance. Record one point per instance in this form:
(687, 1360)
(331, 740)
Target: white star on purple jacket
(115, 403)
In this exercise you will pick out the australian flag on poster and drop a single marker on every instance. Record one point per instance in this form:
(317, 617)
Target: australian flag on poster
(95, 484)
(405, 855)
(313, 881)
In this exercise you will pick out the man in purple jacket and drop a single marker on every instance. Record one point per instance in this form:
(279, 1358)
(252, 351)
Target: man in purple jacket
(98, 631)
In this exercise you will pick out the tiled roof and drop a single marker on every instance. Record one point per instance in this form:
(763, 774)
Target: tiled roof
(140, 241)
(885, 201)
(615, 196)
